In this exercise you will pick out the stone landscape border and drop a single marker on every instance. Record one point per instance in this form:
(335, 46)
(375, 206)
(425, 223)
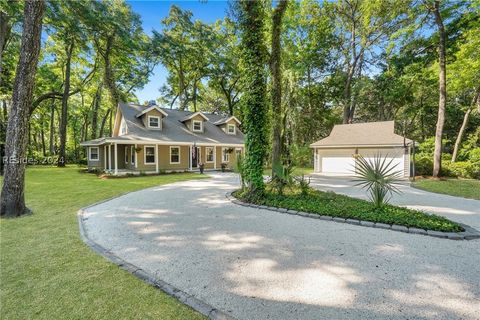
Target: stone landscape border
(187, 299)
(469, 233)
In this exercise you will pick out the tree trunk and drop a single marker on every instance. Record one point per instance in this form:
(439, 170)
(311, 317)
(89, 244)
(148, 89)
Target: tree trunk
(460, 135)
(96, 107)
(51, 143)
(195, 96)
(64, 118)
(466, 117)
(109, 73)
(104, 121)
(42, 137)
(5, 28)
(442, 85)
(275, 69)
(13, 198)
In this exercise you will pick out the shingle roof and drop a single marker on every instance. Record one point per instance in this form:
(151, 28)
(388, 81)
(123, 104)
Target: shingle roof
(226, 119)
(363, 134)
(173, 130)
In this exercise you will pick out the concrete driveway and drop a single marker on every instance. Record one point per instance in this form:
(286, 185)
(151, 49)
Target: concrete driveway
(462, 210)
(258, 264)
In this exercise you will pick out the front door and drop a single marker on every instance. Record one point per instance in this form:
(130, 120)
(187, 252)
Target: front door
(195, 156)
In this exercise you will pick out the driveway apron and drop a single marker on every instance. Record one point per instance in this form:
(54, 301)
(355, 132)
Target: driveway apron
(258, 264)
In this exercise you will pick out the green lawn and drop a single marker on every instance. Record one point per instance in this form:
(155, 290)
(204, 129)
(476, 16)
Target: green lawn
(454, 187)
(336, 205)
(47, 272)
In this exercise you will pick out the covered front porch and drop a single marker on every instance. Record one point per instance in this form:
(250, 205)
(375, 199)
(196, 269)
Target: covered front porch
(123, 158)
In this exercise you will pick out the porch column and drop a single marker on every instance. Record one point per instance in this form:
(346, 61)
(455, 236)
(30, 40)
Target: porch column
(136, 158)
(116, 158)
(104, 157)
(109, 157)
(190, 152)
(156, 158)
(215, 157)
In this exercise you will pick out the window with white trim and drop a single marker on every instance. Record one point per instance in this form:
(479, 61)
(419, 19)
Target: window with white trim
(154, 122)
(225, 155)
(209, 154)
(197, 126)
(231, 128)
(126, 155)
(149, 155)
(93, 154)
(132, 155)
(123, 127)
(238, 152)
(174, 155)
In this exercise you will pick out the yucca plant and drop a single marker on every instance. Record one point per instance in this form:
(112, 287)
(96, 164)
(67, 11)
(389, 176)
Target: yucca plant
(379, 177)
(282, 177)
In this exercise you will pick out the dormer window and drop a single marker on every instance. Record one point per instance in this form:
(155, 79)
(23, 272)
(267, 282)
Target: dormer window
(231, 128)
(197, 126)
(123, 127)
(154, 122)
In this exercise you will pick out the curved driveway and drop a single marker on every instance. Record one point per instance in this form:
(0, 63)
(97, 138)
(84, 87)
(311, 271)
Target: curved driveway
(259, 264)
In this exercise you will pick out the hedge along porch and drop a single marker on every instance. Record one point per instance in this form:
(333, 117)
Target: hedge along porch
(150, 158)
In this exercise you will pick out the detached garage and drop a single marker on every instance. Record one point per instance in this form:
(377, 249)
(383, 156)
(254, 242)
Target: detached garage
(336, 154)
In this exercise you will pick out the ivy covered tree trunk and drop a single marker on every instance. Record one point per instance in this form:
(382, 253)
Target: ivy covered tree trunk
(442, 85)
(13, 199)
(252, 14)
(276, 71)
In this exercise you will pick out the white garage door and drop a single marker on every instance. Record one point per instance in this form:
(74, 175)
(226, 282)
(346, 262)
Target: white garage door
(338, 162)
(395, 155)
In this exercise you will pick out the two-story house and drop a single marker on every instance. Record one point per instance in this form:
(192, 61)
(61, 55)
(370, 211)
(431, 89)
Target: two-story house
(151, 139)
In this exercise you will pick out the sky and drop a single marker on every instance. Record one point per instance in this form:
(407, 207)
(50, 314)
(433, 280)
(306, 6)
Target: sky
(152, 12)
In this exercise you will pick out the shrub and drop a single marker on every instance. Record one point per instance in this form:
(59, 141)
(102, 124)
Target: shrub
(423, 165)
(301, 156)
(474, 155)
(379, 178)
(427, 147)
(455, 169)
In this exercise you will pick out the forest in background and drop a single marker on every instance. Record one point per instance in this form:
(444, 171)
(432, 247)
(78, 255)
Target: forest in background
(347, 61)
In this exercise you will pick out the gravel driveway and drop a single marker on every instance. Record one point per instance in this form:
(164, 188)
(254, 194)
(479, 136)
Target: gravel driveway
(259, 264)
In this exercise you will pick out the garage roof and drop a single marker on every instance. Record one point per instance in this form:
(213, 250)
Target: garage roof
(362, 134)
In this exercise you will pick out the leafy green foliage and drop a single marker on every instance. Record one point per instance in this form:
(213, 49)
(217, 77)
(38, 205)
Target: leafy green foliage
(253, 59)
(303, 184)
(335, 205)
(379, 177)
(240, 169)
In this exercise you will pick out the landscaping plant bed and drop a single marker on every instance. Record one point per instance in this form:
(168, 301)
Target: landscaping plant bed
(335, 205)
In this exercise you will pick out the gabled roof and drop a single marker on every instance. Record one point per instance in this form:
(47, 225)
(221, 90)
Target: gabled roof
(362, 134)
(193, 115)
(173, 130)
(149, 109)
(225, 120)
